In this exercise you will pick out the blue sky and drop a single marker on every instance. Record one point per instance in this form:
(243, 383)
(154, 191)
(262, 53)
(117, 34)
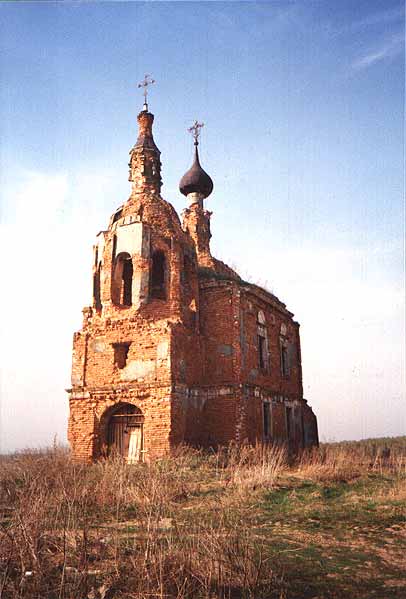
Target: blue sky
(303, 104)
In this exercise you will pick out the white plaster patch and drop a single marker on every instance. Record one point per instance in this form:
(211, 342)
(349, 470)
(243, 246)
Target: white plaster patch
(138, 369)
(77, 379)
(99, 346)
(129, 239)
(224, 391)
(162, 350)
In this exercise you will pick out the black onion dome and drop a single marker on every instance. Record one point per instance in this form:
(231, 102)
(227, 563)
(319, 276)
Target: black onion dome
(196, 180)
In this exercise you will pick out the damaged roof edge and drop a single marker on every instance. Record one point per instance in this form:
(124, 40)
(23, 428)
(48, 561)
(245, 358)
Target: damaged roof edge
(206, 275)
(266, 296)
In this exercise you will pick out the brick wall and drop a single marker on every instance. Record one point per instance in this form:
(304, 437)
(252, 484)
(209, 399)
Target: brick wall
(220, 345)
(89, 415)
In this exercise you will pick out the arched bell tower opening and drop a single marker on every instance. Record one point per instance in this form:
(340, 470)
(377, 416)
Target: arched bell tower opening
(125, 432)
(158, 275)
(122, 280)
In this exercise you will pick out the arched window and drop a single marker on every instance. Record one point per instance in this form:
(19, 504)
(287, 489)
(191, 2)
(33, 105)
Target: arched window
(285, 362)
(286, 348)
(122, 280)
(157, 286)
(262, 342)
(127, 284)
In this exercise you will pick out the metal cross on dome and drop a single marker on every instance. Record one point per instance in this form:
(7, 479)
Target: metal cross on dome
(195, 131)
(147, 81)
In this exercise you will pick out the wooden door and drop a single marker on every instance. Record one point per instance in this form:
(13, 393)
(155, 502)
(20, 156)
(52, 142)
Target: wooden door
(134, 444)
(125, 433)
(117, 436)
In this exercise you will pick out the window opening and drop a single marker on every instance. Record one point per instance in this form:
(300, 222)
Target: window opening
(121, 284)
(267, 419)
(157, 285)
(261, 317)
(121, 354)
(284, 360)
(261, 351)
(127, 282)
(262, 342)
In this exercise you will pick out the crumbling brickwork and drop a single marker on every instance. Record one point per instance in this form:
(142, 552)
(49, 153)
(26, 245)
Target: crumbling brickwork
(176, 347)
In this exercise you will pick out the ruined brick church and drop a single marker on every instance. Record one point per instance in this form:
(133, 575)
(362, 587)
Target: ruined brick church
(176, 347)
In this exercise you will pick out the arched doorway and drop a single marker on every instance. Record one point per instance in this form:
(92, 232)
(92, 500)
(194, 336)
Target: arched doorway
(125, 433)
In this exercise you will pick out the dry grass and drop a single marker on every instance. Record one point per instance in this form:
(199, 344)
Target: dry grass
(349, 460)
(254, 467)
(179, 527)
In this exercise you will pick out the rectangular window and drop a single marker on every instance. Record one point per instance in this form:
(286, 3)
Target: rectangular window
(120, 354)
(158, 275)
(261, 352)
(267, 420)
(284, 360)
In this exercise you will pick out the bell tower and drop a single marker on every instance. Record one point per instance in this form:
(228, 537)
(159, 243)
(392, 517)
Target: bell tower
(145, 158)
(139, 345)
(145, 162)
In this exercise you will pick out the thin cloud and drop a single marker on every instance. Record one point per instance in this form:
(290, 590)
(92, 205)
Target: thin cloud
(395, 16)
(387, 51)
(385, 16)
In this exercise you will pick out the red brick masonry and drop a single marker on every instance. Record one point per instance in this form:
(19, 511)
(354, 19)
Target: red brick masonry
(206, 357)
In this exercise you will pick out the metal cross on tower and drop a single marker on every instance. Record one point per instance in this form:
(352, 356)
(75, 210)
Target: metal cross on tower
(147, 81)
(195, 131)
